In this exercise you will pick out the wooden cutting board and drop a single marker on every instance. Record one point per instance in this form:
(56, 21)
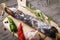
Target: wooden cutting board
(27, 28)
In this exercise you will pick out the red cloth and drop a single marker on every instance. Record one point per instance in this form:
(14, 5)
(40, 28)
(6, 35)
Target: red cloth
(20, 32)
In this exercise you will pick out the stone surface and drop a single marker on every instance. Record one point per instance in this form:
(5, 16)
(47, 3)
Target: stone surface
(6, 35)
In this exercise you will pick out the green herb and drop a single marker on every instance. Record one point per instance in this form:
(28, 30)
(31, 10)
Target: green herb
(12, 25)
(40, 16)
(49, 19)
(29, 5)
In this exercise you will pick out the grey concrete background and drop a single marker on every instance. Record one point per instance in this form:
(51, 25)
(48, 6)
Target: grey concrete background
(49, 7)
(6, 35)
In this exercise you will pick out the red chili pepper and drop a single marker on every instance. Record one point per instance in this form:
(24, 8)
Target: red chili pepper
(20, 32)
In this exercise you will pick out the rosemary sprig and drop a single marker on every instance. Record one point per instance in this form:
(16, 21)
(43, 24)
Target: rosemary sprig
(49, 19)
(39, 15)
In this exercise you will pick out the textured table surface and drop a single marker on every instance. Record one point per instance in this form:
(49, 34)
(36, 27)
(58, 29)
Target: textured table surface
(6, 35)
(49, 7)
